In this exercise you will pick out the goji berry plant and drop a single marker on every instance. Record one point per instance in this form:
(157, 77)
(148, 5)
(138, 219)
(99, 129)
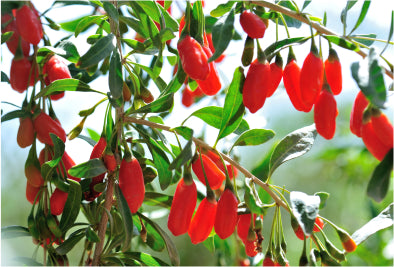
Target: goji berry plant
(149, 177)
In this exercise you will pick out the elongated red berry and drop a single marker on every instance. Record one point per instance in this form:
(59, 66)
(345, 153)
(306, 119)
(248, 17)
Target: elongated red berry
(131, 183)
(203, 221)
(252, 24)
(44, 125)
(13, 42)
(110, 162)
(33, 175)
(55, 69)
(211, 85)
(25, 136)
(372, 142)
(193, 58)
(250, 248)
(319, 222)
(20, 72)
(232, 171)
(256, 86)
(311, 79)
(97, 152)
(356, 116)
(325, 113)
(383, 128)
(291, 81)
(57, 201)
(244, 225)
(210, 43)
(333, 70)
(68, 164)
(29, 25)
(214, 175)
(187, 97)
(31, 192)
(276, 75)
(226, 214)
(347, 242)
(182, 207)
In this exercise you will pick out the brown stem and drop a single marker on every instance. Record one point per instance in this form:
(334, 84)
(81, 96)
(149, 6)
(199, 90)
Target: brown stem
(316, 26)
(201, 143)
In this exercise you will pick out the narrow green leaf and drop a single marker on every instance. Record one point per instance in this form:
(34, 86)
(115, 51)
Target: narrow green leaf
(323, 198)
(185, 132)
(183, 157)
(162, 164)
(126, 216)
(222, 33)
(161, 104)
(6, 36)
(157, 79)
(177, 81)
(363, 13)
(135, 24)
(274, 48)
(86, 22)
(390, 33)
(349, 5)
(233, 109)
(144, 258)
(158, 199)
(289, 20)
(342, 42)
(292, 146)
(364, 38)
(91, 235)
(71, 25)
(370, 78)
(111, 11)
(305, 209)
(88, 169)
(49, 167)
(306, 3)
(222, 9)
(153, 238)
(64, 49)
(13, 231)
(14, 114)
(71, 208)
(384, 220)
(4, 78)
(97, 52)
(70, 242)
(115, 75)
(136, 45)
(254, 137)
(378, 185)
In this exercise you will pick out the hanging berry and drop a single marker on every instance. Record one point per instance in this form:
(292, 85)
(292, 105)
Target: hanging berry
(211, 85)
(356, 116)
(214, 175)
(44, 125)
(333, 70)
(15, 39)
(226, 214)
(276, 74)
(202, 223)
(25, 136)
(325, 113)
(252, 24)
(29, 25)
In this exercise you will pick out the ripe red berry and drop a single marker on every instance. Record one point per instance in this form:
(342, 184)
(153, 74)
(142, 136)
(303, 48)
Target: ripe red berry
(268, 261)
(383, 128)
(226, 214)
(57, 201)
(311, 79)
(276, 75)
(333, 70)
(252, 24)
(44, 125)
(20, 72)
(291, 81)
(97, 152)
(193, 58)
(187, 97)
(356, 116)
(211, 85)
(244, 225)
(318, 222)
(250, 248)
(31, 192)
(98, 148)
(325, 113)
(214, 175)
(29, 25)
(33, 175)
(372, 142)
(232, 171)
(349, 245)
(210, 43)
(202, 223)
(131, 183)
(13, 42)
(110, 162)
(25, 135)
(68, 164)
(182, 207)
(256, 86)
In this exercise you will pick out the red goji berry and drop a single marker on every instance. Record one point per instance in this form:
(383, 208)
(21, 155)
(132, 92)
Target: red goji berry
(182, 207)
(110, 161)
(98, 148)
(226, 214)
(44, 125)
(29, 25)
(276, 74)
(333, 70)
(41, 157)
(138, 37)
(372, 142)
(57, 201)
(347, 242)
(252, 24)
(33, 175)
(97, 152)
(319, 222)
(20, 72)
(31, 192)
(131, 183)
(356, 116)
(250, 248)
(243, 225)
(187, 97)
(211, 85)
(13, 42)
(214, 175)
(25, 136)
(268, 261)
(210, 43)
(55, 69)
(311, 79)
(193, 58)
(256, 85)
(202, 223)
(291, 81)
(68, 164)
(325, 113)
(383, 128)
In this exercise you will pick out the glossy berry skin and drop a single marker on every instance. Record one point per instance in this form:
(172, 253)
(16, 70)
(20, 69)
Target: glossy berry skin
(268, 261)
(250, 248)
(252, 24)
(98, 148)
(43, 125)
(110, 162)
(349, 245)
(203, 221)
(226, 214)
(31, 193)
(210, 43)
(311, 79)
(383, 129)
(372, 142)
(68, 164)
(243, 226)
(318, 222)
(25, 136)
(19, 74)
(13, 42)
(56, 69)
(29, 25)
(182, 207)
(193, 58)
(325, 113)
(57, 201)
(187, 97)
(131, 183)
(256, 85)
(33, 175)
(356, 116)
(276, 77)
(211, 85)
(214, 175)
(291, 81)
(232, 171)
(333, 70)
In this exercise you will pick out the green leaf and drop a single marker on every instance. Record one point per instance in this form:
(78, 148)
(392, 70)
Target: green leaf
(70, 242)
(126, 216)
(305, 209)
(292, 146)
(222, 33)
(86, 22)
(171, 248)
(384, 220)
(185, 132)
(254, 137)
(161, 162)
(71, 25)
(71, 208)
(363, 13)
(64, 49)
(65, 85)
(88, 169)
(289, 20)
(233, 109)
(153, 10)
(158, 199)
(222, 9)
(49, 167)
(97, 52)
(349, 5)
(115, 76)
(111, 11)
(13, 231)
(360, 38)
(378, 185)
(370, 78)
(306, 3)
(390, 33)
(342, 42)
(274, 48)
(177, 81)
(145, 259)
(262, 169)
(323, 198)
(183, 157)
(6, 36)
(4, 78)
(91, 235)
(14, 114)
(153, 237)
(252, 199)
(161, 104)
